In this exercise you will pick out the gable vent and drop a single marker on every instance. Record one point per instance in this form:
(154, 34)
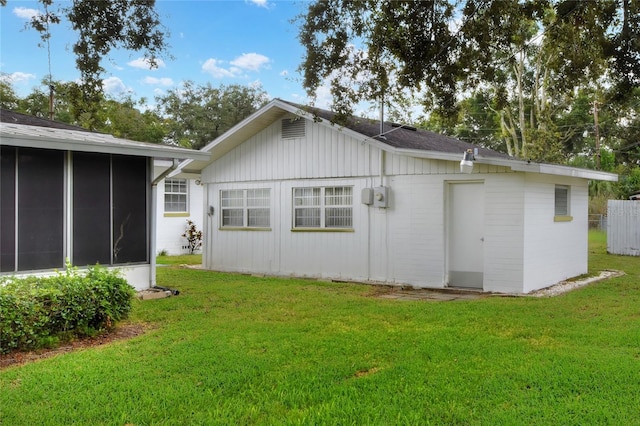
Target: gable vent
(293, 128)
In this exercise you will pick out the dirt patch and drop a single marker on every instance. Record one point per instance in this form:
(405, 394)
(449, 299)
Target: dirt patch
(119, 333)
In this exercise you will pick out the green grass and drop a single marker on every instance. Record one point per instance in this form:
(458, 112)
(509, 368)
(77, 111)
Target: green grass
(184, 259)
(235, 349)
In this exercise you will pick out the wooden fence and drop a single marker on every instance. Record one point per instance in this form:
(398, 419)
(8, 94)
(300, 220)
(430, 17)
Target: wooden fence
(623, 227)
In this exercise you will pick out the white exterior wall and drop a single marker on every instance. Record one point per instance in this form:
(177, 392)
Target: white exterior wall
(268, 161)
(402, 244)
(138, 276)
(504, 233)
(170, 226)
(554, 251)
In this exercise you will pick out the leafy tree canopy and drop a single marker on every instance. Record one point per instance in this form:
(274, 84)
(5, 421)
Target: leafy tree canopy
(102, 26)
(372, 48)
(196, 115)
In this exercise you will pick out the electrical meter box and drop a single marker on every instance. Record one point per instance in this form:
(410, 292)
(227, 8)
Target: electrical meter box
(381, 197)
(367, 196)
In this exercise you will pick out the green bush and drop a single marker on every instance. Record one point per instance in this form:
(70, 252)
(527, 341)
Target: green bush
(37, 312)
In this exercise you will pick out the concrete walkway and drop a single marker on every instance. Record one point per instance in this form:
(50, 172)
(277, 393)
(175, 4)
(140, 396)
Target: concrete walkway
(448, 294)
(443, 295)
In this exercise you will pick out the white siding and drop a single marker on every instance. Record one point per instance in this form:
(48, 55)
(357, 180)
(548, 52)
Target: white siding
(504, 232)
(553, 251)
(405, 243)
(324, 153)
(170, 227)
(242, 250)
(416, 230)
(324, 254)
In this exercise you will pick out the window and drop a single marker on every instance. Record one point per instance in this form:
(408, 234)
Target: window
(246, 208)
(175, 195)
(562, 205)
(324, 208)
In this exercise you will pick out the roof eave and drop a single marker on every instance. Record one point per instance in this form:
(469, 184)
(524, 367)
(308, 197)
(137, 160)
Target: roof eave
(111, 146)
(515, 165)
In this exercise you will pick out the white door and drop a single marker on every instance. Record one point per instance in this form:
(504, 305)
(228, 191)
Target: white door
(466, 234)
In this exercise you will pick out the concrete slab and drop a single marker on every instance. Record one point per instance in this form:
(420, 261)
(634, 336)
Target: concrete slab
(151, 294)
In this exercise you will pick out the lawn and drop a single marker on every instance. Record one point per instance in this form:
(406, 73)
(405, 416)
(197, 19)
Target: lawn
(236, 349)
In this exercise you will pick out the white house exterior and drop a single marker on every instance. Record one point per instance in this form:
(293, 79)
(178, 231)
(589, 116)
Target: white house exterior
(179, 200)
(68, 193)
(289, 193)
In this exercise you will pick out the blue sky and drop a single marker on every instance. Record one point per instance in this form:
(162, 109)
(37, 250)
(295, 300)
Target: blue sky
(211, 41)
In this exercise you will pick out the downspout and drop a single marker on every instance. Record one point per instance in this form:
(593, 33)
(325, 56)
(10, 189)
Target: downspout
(154, 219)
(381, 157)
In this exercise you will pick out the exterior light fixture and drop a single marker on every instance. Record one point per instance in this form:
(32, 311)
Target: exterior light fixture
(466, 165)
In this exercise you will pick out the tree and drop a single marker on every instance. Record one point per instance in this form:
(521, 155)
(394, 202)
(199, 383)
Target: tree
(118, 117)
(101, 27)
(122, 119)
(529, 57)
(196, 115)
(8, 97)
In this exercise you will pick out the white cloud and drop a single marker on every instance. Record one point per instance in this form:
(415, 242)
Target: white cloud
(260, 3)
(145, 64)
(114, 86)
(213, 67)
(244, 62)
(25, 13)
(17, 77)
(165, 81)
(251, 61)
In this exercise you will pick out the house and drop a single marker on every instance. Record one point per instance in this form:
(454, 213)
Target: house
(179, 200)
(289, 193)
(67, 193)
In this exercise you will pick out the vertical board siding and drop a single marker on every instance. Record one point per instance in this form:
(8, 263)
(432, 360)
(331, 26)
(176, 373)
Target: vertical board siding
(524, 249)
(623, 227)
(241, 250)
(323, 153)
(324, 254)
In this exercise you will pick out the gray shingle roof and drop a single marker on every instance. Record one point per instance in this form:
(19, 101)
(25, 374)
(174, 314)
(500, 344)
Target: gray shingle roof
(403, 137)
(13, 117)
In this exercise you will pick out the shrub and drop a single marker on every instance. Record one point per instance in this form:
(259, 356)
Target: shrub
(193, 236)
(40, 311)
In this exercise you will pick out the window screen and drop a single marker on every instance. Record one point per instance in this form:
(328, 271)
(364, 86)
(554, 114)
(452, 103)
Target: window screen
(91, 209)
(40, 207)
(7, 209)
(129, 188)
(330, 207)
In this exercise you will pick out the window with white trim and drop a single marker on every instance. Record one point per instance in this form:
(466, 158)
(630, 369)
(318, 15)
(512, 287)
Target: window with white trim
(176, 196)
(561, 202)
(245, 208)
(323, 207)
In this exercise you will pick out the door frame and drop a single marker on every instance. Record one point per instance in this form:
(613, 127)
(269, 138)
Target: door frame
(448, 223)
